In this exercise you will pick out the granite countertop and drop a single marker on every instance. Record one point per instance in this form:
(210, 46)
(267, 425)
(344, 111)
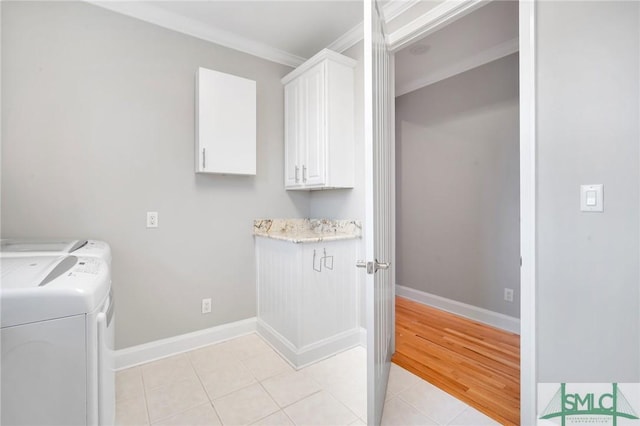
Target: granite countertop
(307, 230)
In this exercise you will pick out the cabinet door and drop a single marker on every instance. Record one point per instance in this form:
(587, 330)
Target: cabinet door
(328, 291)
(314, 164)
(225, 123)
(292, 134)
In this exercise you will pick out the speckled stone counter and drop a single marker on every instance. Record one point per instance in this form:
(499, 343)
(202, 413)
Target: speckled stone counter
(307, 230)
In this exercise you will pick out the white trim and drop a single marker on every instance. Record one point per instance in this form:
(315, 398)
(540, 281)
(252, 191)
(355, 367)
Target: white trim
(368, 228)
(310, 354)
(145, 11)
(316, 59)
(363, 337)
(528, 343)
(392, 135)
(394, 8)
(481, 58)
(1, 104)
(348, 39)
(391, 10)
(140, 354)
(485, 316)
(438, 17)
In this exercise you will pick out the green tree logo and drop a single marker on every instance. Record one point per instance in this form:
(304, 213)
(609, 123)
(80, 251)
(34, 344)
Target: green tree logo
(564, 405)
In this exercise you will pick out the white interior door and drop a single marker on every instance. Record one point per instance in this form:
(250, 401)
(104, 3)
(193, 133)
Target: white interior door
(379, 220)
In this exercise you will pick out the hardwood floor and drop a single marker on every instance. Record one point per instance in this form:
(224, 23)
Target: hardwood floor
(477, 364)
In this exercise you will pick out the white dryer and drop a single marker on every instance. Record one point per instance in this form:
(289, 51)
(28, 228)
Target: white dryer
(21, 248)
(56, 336)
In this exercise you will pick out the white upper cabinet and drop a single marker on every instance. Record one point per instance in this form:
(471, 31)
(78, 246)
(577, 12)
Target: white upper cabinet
(225, 123)
(319, 123)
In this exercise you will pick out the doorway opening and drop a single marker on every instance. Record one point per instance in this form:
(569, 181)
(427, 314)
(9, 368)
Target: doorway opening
(458, 209)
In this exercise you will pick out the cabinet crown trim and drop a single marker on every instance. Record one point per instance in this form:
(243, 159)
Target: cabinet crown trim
(316, 59)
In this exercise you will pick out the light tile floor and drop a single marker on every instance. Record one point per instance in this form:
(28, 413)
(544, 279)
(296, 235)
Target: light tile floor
(245, 382)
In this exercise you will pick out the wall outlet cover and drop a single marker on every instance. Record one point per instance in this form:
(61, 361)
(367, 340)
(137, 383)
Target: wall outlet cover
(508, 294)
(206, 306)
(152, 219)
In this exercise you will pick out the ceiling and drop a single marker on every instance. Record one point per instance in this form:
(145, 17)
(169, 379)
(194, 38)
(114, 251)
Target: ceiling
(287, 32)
(486, 34)
(291, 31)
(302, 28)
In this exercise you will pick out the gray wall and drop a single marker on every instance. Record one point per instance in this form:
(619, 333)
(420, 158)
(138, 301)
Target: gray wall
(587, 132)
(98, 128)
(457, 171)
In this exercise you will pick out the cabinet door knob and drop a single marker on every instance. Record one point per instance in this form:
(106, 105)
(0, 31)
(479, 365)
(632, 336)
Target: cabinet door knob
(204, 158)
(304, 174)
(296, 174)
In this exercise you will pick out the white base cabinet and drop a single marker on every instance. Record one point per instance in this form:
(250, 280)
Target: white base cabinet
(307, 298)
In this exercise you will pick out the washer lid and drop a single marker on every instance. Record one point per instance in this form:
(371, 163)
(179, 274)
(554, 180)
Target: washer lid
(22, 272)
(21, 248)
(51, 246)
(38, 288)
(94, 248)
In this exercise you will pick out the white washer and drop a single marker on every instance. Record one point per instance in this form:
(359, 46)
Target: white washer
(57, 341)
(21, 248)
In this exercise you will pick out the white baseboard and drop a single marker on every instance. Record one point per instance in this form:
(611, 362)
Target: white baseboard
(485, 316)
(310, 354)
(140, 354)
(363, 337)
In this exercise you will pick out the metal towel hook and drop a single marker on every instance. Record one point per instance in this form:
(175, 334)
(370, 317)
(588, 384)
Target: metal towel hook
(324, 259)
(328, 260)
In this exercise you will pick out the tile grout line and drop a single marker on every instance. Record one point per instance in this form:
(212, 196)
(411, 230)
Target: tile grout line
(170, 384)
(399, 396)
(242, 362)
(320, 389)
(257, 381)
(204, 388)
(144, 394)
(272, 400)
(342, 403)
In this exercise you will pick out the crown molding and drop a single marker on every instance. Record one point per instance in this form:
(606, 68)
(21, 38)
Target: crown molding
(488, 55)
(316, 59)
(348, 39)
(423, 25)
(149, 13)
(391, 10)
(438, 17)
(394, 8)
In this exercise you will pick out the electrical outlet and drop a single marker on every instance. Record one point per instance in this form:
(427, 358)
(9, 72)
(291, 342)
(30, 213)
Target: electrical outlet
(206, 306)
(508, 294)
(152, 219)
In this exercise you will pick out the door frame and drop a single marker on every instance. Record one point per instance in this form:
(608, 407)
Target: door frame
(379, 146)
(438, 17)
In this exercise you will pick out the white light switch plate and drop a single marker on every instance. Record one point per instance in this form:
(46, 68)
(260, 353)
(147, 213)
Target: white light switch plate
(592, 198)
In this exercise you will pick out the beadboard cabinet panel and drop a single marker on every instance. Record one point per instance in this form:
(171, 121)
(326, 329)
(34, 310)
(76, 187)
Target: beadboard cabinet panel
(307, 298)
